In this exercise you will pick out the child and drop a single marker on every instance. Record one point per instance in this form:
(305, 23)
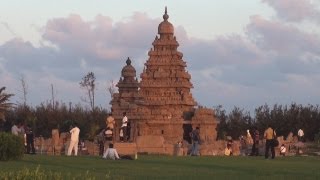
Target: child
(283, 150)
(228, 150)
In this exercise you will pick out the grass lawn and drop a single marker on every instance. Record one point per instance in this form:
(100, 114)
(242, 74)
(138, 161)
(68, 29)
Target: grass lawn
(168, 167)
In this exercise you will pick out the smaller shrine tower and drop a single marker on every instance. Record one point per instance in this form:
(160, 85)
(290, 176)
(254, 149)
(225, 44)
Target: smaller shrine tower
(127, 99)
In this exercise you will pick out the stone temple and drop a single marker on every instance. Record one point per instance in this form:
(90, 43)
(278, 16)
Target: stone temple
(161, 108)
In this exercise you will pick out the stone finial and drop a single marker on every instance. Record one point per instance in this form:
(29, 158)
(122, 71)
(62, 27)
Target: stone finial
(128, 61)
(165, 16)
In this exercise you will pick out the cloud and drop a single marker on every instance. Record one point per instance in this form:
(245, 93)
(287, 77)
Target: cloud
(76, 47)
(295, 10)
(101, 38)
(273, 62)
(8, 28)
(280, 37)
(291, 49)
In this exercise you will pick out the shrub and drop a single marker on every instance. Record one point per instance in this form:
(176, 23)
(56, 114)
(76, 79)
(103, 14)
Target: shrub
(42, 174)
(11, 146)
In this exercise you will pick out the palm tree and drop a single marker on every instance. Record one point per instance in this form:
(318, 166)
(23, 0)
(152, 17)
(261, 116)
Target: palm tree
(4, 104)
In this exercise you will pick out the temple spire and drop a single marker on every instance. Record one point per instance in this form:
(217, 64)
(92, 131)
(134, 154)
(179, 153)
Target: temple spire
(165, 16)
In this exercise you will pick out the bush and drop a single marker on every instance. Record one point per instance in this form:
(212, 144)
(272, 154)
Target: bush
(11, 146)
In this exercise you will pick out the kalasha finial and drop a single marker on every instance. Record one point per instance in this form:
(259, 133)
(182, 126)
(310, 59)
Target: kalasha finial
(128, 61)
(165, 16)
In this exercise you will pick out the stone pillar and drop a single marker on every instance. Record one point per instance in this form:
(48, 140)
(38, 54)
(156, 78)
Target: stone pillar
(55, 140)
(133, 131)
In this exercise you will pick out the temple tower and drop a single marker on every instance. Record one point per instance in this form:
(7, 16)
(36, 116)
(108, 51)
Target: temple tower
(127, 99)
(161, 108)
(165, 86)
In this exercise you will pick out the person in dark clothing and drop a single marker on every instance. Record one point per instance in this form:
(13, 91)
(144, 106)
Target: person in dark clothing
(30, 140)
(195, 136)
(255, 145)
(101, 140)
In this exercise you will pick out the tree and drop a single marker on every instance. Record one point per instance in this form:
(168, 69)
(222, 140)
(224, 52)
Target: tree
(88, 83)
(238, 122)
(112, 88)
(222, 127)
(4, 104)
(52, 97)
(24, 91)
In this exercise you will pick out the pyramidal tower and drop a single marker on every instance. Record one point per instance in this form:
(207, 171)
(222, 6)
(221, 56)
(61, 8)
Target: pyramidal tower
(165, 85)
(163, 106)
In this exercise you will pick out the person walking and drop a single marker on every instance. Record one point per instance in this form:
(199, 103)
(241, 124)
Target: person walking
(101, 140)
(195, 137)
(269, 134)
(75, 131)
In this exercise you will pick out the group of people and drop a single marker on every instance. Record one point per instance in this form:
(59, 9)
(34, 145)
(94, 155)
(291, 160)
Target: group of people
(271, 142)
(110, 153)
(254, 139)
(124, 132)
(25, 131)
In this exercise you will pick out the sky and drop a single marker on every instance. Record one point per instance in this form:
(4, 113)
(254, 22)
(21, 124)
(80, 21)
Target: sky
(239, 53)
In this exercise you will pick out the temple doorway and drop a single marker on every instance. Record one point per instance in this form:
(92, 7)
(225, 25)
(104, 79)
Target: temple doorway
(187, 129)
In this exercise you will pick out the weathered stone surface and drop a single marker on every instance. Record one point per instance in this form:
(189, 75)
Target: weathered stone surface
(214, 149)
(290, 137)
(126, 148)
(151, 144)
(55, 137)
(92, 148)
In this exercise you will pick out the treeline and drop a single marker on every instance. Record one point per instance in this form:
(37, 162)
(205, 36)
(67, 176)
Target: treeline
(45, 117)
(285, 119)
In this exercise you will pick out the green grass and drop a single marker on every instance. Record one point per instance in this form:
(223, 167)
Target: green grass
(167, 167)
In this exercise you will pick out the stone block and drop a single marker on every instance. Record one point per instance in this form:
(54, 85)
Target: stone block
(126, 148)
(55, 137)
(151, 144)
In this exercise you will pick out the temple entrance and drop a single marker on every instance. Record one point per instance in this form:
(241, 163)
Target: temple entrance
(187, 129)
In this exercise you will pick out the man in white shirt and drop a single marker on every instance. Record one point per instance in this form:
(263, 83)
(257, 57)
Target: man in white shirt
(75, 131)
(111, 153)
(300, 134)
(124, 126)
